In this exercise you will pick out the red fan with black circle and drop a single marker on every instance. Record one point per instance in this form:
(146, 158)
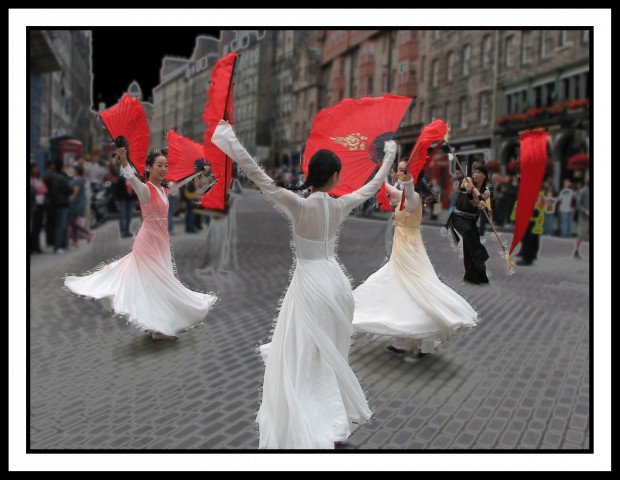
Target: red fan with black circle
(356, 131)
(185, 159)
(127, 125)
(218, 107)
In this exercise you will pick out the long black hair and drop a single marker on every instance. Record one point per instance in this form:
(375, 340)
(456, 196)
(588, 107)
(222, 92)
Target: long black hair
(323, 164)
(150, 161)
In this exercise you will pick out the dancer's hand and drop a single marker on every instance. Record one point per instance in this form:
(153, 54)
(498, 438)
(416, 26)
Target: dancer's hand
(404, 176)
(222, 122)
(390, 147)
(481, 205)
(121, 153)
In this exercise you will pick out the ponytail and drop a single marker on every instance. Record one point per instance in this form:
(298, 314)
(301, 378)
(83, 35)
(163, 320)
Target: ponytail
(323, 164)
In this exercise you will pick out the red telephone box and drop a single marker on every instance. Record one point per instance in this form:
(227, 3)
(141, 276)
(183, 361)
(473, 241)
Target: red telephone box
(69, 150)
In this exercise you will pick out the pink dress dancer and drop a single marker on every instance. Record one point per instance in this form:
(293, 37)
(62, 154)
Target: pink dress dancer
(142, 284)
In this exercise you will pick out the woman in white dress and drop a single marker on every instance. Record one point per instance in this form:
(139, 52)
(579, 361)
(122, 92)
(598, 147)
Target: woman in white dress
(311, 397)
(405, 298)
(142, 284)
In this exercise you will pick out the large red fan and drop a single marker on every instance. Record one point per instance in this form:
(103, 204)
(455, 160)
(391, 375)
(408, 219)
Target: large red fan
(533, 162)
(127, 120)
(356, 131)
(185, 157)
(219, 107)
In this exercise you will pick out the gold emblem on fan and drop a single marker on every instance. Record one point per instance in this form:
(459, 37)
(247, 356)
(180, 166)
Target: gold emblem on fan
(353, 141)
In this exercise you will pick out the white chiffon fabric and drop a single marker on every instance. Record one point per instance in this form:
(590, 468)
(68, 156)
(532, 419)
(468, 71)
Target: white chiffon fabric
(310, 398)
(405, 298)
(142, 285)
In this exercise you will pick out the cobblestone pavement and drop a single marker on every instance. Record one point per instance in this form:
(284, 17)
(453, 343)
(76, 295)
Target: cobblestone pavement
(518, 381)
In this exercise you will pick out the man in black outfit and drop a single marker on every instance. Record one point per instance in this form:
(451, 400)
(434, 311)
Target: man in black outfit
(471, 200)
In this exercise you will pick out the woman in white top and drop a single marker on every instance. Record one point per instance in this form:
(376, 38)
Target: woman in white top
(405, 298)
(311, 397)
(142, 284)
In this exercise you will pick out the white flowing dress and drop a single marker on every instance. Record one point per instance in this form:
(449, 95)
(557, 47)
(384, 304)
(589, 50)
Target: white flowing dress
(405, 298)
(311, 398)
(142, 285)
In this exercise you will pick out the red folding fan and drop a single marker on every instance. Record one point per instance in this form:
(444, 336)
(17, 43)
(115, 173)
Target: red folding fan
(419, 160)
(126, 123)
(185, 157)
(356, 131)
(185, 160)
(218, 107)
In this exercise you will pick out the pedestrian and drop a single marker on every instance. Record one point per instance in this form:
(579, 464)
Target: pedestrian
(77, 206)
(405, 298)
(50, 211)
(142, 283)
(472, 199)
(530, 244)
(39, 190)
(583, 207)
(566, 208)
(310, 398)
(60, 194)
(549, 200)
(126, 198)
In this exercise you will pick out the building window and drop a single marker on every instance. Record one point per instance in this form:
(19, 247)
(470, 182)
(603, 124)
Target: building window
(538, 96)
(435, 72)
(433, 113)
(447, 112)
(370, 86)
(546, 43)
(260, 34)
(463, 110)
(450, 67)
(563, 39)
(585, 36)
(484, 108)
(526, 47)
(466, 60)
(510, 50)
(486, 52)
(422, 68)
(402, 67)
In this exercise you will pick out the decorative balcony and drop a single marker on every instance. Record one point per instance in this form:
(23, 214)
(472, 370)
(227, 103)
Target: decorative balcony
(553, 112)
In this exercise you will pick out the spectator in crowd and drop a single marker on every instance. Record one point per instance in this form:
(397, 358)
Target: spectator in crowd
(77, 206)
(60, 194)
(126, 199)
(39, 191)
(583, 209)
(566, 208)
(50, 212)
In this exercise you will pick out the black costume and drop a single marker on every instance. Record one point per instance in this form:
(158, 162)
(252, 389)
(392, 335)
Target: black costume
(463, 220)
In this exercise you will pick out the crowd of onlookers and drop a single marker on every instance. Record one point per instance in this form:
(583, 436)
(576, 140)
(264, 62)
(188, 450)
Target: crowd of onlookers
(67, 201)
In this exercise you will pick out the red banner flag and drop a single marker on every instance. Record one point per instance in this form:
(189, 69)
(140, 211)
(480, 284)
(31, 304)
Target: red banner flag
(533, 163)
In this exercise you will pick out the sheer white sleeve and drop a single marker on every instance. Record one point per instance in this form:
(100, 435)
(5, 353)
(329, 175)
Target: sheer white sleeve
(412, 198)
(140, 188)
(352, 200)
(224, 138)
(393, 192)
